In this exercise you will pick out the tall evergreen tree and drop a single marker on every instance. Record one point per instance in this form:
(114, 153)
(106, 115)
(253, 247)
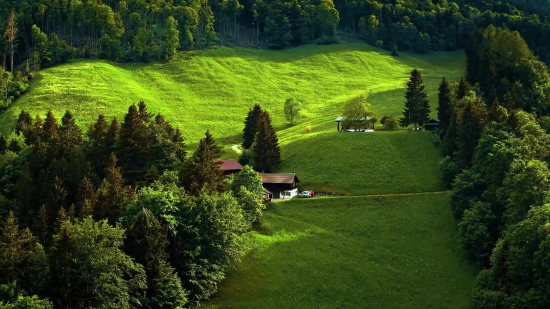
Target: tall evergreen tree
(50, 130)
(23, 122)
(470, 126)
(113, 197)
(462, 89)
(417, 107)
(70, 134)
(444, 110)
(251, 126)
(266, 152)
(98, 147)
(202, 169)
(134, 143)
(3, 145)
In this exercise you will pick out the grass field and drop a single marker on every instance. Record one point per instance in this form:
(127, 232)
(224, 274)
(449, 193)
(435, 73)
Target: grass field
(213, 89)
(353, 252)
(363, 163)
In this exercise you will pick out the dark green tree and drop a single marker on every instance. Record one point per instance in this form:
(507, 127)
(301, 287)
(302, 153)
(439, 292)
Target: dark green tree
(417, 107)
(251, 126)
(3, 145)
(471, 122)
(444, 109)
(266, 153)
(201, 170)
(88, 254)
(133, 145)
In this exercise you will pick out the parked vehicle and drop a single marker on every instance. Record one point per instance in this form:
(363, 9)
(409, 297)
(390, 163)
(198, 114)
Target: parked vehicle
(304, 194)
(311, 193)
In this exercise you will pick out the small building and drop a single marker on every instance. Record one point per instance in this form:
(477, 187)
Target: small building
(431, 125)
(230, 166)
(267, 196)
(363, 123)
(278, 183)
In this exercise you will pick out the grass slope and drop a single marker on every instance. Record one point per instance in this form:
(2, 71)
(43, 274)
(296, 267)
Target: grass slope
(213, 89)
(363, 163)
(352, 252)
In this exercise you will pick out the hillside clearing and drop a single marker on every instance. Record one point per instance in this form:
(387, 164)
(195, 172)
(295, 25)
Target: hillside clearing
(375, 252)
(213, 89)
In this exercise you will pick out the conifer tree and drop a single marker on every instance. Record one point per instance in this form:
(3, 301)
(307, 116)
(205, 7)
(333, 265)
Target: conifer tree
(24, 122)
(143, 113)
(462, 89)
(251, 125)
(134, 143)
(266, 153)
(3, 145)
(444, 110)
(70, 134)
(201, 169)
(469, 129)
(50, 130)
(99, 145)
(86, 198)
(417, 108)
(168, 292)
(113, 196)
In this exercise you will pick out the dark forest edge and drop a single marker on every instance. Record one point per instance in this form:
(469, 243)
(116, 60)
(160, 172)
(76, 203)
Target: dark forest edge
(120, 215)
(494, 133)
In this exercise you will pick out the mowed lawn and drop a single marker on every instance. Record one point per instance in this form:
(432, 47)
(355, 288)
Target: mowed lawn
(355, 163)
(352, 252)
(213, 89)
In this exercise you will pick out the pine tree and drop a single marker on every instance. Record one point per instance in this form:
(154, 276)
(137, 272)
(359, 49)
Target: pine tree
(251, 126)
(417, 108)
(497, 112)
(470, 126)
(11, 37)
(266, 153)
(70, 134)
(167, 291)
(462, 89)
(3, 145)
(134, 143)
(444, 110)
(143, 113)
(24, 122)
(99, 145)
(112, 196)
(201, 169)
(50, 130)
(86, 198)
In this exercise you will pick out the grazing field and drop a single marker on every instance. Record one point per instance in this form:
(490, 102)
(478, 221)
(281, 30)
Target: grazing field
(213, 89)
(357, 163)
(352, 252)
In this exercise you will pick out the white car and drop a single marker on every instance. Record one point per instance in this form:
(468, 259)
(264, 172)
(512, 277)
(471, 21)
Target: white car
(304, 194)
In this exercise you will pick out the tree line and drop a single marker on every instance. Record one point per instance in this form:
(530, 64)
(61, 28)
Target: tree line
(120, 215)
(136, 30)
(495, 133)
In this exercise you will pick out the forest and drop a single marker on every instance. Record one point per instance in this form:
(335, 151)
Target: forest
(119, 216)
(495, 129)
(50, 32)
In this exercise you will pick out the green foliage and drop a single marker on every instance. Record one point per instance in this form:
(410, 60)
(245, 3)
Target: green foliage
(248, 189)
(470, 123)
(291, 110)
(169, 292)
(394, 51)
(390, 124)
(88, 253)
(355, 112)
(417, 107)
(251, 126)
(448, 170)
(444, 110)
(171, 41)
(266, 154)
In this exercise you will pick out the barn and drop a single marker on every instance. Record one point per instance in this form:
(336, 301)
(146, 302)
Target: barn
(229, 166)
(278, 183)
(431, 125)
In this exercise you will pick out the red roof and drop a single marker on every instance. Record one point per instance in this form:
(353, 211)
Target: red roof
(279, 177)
(230, 165)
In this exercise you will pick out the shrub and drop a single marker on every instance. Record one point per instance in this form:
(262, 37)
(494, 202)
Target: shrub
(394, 51)
(448, 170)
(390, 123)
(326, 40)
(379, 43)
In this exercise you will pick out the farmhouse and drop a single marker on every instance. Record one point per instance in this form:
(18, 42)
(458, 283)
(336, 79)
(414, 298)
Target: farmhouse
(230, 166)
(281, 185)
(431, 125)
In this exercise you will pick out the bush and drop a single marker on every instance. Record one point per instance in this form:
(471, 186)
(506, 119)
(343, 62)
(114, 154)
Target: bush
(379, 43)
(325, 40)
(436, 139)
(448, 170)
(390, 123)
(394, 51)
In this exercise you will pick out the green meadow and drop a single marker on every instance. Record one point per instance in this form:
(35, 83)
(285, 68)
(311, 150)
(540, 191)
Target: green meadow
(352, 252)
(388, 244)
(213, 89)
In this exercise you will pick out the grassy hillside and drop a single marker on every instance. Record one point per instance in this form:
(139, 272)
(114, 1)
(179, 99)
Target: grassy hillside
(363, 163)
(365, 252)
(213, 89)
